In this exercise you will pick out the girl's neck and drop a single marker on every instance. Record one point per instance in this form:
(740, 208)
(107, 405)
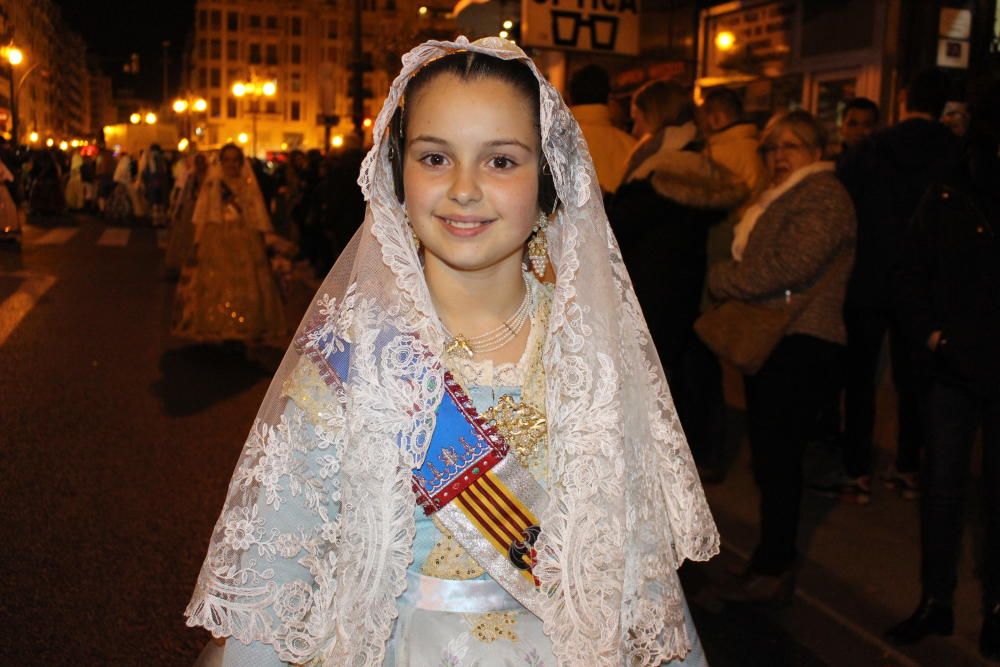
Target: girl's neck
(471, 303)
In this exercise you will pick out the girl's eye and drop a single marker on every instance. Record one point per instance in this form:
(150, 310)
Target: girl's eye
(433, 159)
(502, 162)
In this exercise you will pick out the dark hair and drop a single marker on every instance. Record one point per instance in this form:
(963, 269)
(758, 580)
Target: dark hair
(470, 66)
(861, 104)
(589, 85)
(231, 147)
(726, 100)
(928, 92)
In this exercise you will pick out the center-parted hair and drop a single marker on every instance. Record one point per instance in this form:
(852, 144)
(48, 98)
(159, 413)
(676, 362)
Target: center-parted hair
(470, 66)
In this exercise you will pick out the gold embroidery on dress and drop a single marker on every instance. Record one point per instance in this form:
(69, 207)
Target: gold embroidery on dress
(521, 425)
(449, 559)
(493, 625)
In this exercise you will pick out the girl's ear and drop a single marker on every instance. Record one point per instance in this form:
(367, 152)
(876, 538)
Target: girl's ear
(396, 153)
(548, 200)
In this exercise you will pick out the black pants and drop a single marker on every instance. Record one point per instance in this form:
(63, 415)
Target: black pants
(865, 331)
(953, 415)
(783, 400)
(701, 404)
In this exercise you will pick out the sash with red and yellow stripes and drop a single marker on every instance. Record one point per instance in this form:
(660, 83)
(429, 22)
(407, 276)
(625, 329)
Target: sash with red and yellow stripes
(487, 500)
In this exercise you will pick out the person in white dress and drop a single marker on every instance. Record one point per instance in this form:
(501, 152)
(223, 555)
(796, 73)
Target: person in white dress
(469, 456)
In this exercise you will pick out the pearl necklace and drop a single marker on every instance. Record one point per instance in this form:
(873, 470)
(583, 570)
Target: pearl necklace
(493, 340)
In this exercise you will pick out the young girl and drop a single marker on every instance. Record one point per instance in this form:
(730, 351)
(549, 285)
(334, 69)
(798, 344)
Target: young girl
(227, 291)
(458, 463)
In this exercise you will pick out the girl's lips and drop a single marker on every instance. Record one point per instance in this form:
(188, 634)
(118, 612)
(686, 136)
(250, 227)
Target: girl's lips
(464, 226)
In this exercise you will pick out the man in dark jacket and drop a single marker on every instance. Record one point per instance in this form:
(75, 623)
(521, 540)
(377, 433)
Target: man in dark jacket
(948, 298)
(887, 176)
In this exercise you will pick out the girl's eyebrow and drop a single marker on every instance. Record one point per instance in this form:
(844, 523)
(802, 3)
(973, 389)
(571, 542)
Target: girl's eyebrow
(492, 144)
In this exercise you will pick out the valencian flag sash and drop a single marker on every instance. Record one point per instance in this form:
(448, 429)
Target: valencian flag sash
(486, 499)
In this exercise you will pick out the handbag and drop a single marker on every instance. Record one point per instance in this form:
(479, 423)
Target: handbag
(745, 334)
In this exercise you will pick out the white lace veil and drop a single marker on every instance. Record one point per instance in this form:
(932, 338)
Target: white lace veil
(209, 208)
(311, 549)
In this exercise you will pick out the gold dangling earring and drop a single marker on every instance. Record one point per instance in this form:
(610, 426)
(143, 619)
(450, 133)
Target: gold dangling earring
(413, 232)
(538, 247)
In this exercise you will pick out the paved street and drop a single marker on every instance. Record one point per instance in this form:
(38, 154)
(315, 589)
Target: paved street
(118, 443)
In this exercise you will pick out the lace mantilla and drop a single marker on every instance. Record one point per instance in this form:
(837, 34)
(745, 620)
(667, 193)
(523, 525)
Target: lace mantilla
(311, 549)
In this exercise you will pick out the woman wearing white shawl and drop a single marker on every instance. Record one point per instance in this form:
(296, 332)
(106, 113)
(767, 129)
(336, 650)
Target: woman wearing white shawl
(226, 290)
(325, 554)
(75, 196)
(125, 204)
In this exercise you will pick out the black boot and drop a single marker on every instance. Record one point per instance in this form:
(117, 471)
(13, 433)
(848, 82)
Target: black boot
(989, 638)
(930, 618)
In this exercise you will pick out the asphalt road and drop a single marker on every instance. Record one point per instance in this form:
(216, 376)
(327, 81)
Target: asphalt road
(117, 446)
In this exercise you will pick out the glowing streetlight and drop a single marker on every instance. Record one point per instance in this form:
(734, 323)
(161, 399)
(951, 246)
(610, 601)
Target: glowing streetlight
(50, 142)
(243, 138)
(33, 137)
(200, 105)
(180, 106)
(150, 118)
(239, 89)
(508, 24)
(504, 34)
(75, 143)
(422, 11)
(269, 89)
(14, 55)
(135, 119)
(366, 123)
(725, 40)
(63, 146)
(255, 88)
(337, 141)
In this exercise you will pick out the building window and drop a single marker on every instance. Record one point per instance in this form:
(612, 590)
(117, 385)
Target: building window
(271, 22)
(232, 76)
(295, 82)
(295, 113)
(202, 19)
(216, 49)
(255, 21)
(202, 78)
(202, 48)
(271, 107)
(331, 30)
(215, 107)
(233, 21)
(232, 50)
(255, 57)
(216, 19)
(215, 77)
(230, 108)
(296, 25)
(271, 51)
(296, 54)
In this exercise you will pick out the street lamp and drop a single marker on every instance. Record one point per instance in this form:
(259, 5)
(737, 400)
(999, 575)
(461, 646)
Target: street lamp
(725, 40)
(255, 89)
(135, 119)
(187, 105)
(14, 57)
(150, 118)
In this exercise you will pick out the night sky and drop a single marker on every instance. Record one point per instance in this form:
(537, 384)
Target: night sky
(115, 28)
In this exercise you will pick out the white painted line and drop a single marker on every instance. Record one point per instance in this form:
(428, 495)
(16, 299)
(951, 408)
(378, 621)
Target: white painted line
(901, 659)
(56, 236)
(17, 305)
(114, 236)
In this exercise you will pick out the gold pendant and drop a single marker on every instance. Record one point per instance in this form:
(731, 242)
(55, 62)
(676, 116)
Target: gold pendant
(521, 425)
(457, 343)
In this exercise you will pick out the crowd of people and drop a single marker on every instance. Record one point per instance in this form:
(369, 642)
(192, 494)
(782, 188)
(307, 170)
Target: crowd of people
(792, 259)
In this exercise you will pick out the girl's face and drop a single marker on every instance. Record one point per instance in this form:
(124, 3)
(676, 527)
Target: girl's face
(231, 162)
(470, 172)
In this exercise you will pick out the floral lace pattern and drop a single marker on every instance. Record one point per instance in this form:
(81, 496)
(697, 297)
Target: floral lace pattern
(310, 552)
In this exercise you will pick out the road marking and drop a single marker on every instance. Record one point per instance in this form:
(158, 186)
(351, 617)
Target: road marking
(114, 236)
(56, 236)
(17, 305)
